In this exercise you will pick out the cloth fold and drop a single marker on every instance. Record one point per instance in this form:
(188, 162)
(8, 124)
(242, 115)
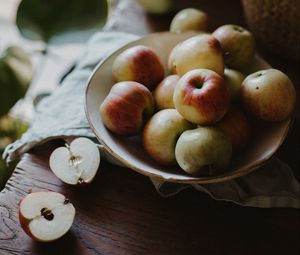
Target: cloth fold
(62, 115)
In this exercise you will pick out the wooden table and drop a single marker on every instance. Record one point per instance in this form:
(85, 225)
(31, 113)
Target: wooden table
(121, 213)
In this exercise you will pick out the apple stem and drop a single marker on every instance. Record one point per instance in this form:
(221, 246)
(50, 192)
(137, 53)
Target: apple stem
(239, 29)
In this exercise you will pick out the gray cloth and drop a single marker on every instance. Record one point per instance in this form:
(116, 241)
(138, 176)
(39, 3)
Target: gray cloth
(62, 115)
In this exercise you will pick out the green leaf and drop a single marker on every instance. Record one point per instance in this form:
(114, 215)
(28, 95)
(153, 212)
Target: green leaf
(16, 73)
(11, 129)
(42, 19)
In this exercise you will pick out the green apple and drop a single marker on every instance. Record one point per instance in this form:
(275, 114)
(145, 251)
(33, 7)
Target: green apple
(203, 151)
(200, 51)
(156, 6)
(268, 95)
(16, 72)
(189, 19)
(161, 133)
(233, 80)
(238, 45)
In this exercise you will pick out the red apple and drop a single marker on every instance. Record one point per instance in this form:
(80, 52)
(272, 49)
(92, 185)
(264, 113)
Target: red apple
(201, 97)
(161, 133)
(238, 45)
(156, 7)
(46, 216)
(126, 108)
(138, 63)
(268, 95)
(200, 51)
(163, 93)
(237, 128)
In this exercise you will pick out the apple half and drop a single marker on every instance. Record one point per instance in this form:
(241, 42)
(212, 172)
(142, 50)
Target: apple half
(45, 215)
(76, 163)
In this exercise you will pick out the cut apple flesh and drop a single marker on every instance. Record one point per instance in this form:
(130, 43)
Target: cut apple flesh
(76, 163)
(49, 215)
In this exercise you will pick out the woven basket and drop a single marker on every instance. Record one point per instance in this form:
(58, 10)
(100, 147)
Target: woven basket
(275, 25)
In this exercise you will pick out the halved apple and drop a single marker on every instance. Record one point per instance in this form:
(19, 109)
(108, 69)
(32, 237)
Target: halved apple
(76, 163)
(45, 215)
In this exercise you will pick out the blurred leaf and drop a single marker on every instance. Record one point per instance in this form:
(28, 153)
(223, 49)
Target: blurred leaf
(10, 130)
(16, 73)
(42, 19)
(5, 171)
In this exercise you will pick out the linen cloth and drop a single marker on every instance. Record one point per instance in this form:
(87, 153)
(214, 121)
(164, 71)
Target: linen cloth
(62, 115)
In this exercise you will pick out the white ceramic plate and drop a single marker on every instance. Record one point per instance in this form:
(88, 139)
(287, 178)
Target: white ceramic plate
(266, 140)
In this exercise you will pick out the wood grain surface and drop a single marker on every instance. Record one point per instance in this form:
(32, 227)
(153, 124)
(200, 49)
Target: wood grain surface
(121, 213)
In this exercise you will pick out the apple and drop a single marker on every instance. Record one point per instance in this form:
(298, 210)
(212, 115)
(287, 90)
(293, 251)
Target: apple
(171, 58)
(163, 93)
(200, 51)
(126, 108)
(236, 126)
(233, 80)
(201, 96)
(156, 6)
(46, 216)
(76, 163)
(161, 133)
(189, 19)
(138, 63)
(203, 151)
(238, 45)
(269, 95)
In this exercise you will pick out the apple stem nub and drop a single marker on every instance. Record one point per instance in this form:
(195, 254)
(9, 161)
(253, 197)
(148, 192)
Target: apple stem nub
(239, 29)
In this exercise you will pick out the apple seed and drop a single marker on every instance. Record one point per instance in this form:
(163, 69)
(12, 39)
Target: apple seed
(47, 214)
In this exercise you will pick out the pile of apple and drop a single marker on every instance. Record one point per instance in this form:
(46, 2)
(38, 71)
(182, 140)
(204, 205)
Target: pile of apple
(194, 115)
